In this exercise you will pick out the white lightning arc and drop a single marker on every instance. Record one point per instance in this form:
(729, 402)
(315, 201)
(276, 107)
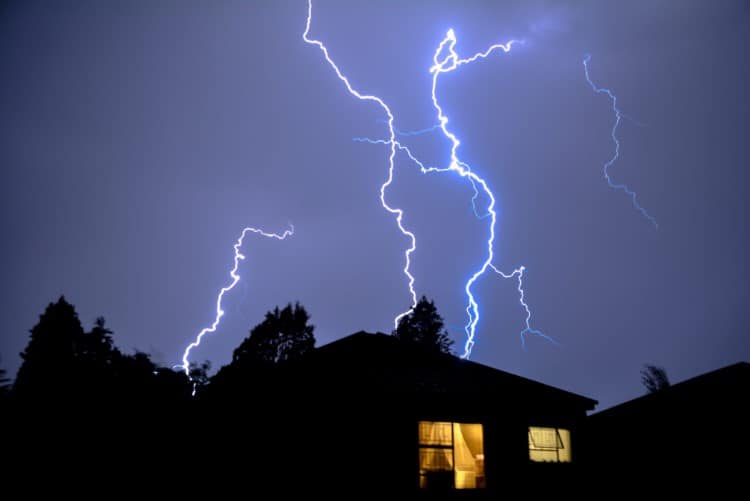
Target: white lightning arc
(238, 256)
(518, 272)
(515, 273)
(619, 115)
(392, 142)
(448, 63)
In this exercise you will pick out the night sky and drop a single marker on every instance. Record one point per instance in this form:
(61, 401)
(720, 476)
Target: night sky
(137, 140)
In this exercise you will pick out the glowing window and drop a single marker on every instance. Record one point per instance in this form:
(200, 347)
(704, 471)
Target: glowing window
(549, 445)
(451, 455)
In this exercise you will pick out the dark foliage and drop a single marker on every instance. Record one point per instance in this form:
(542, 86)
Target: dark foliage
(654, 378)
(199, 374)
(283, 335)
(55, 355)
(424, 327)
(62, 362)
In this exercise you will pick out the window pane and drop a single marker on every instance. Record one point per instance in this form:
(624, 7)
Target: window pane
(549, 444)
(435, 459)
(435, 433)
(537, 455)
(451, 455)
(543, 438)
(468, 451)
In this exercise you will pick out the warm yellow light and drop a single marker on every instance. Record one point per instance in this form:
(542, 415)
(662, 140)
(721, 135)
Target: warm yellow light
(435, 433)
(549, 444)
(456, 448)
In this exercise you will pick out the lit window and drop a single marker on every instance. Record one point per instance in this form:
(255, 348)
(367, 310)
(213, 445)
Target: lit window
(451, 455)
(549, 444)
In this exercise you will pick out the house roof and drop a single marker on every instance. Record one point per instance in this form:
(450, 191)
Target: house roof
(723, 386)
(392, 362)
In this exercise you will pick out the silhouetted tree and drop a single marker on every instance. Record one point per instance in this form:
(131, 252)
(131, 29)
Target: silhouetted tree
(283, 335)
(170, 386)
(654, 378)
(424, 326)
(199, 373)
(139, 380)
(63, 361)
(97, 346)
(135, 375)
(51, 359)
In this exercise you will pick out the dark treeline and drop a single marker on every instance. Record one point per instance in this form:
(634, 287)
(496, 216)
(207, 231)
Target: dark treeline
(77, 391)
(83, 370)
(63, 362)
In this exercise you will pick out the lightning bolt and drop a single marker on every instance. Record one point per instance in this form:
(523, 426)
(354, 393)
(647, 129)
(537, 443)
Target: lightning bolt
(618, 117)
(451, 62)
(446, 64)
(516, 273)
(392, 144)
(417, 132)
(238, 256)
(421, 166)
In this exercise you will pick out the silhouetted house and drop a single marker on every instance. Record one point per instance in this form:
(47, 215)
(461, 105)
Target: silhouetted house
(700, 424)
(369, 412)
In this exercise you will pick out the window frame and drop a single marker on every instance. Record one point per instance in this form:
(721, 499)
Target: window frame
(452, 447)
(559, 441)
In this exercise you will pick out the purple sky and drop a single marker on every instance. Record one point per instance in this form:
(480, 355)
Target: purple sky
(138, 139)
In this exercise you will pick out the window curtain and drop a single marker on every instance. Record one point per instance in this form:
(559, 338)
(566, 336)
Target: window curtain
(435, 433)
(466, 463)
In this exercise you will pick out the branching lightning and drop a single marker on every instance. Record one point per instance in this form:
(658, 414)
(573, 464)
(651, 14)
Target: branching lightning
(238, 256)
(392, 143)
(618, 117)
(442, 64)
(528, 329)
(448, 63)
(516, 273)
(417, 132)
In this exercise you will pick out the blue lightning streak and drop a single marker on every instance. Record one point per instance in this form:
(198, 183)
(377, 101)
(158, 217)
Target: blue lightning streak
(238, 256)
(392, 142)
(618, 117)
(448, 64)
(417, 132)
(516, 273)
(528, 330)
(426, 170)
